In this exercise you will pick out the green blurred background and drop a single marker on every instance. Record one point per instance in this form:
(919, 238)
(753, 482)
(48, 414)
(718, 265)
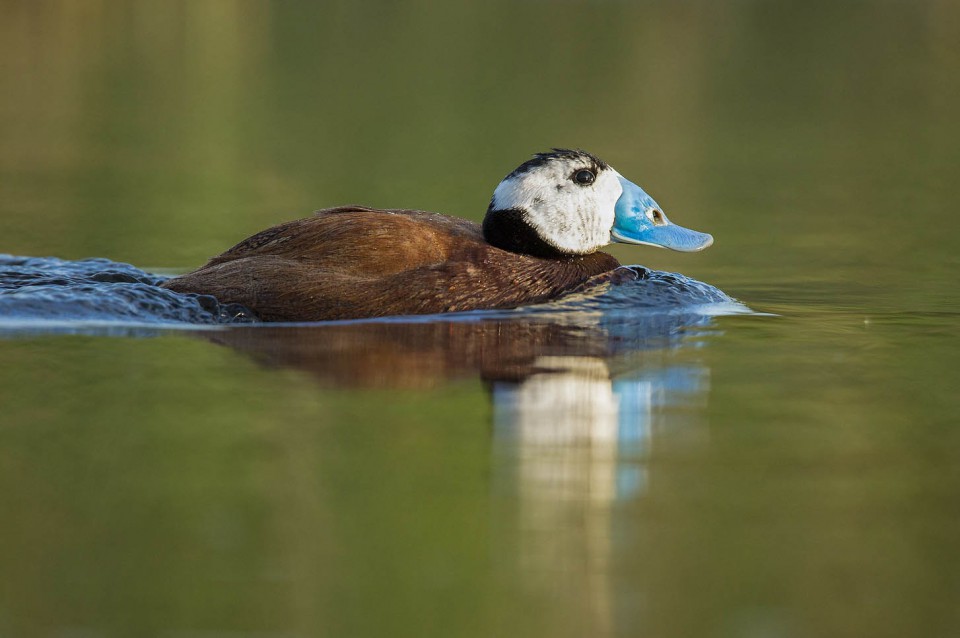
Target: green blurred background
(808, 485)
(819, 136)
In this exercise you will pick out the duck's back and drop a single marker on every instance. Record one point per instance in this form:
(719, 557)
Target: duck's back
(352, 262)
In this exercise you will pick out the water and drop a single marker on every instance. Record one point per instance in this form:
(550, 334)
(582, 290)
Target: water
(38, 293)
(45, 291)
(591, 470)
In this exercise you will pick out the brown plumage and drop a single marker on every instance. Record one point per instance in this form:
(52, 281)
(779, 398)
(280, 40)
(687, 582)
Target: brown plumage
(353, 262)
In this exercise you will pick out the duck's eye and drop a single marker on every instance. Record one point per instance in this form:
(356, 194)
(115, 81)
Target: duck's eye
(656, 217)
(584, 177)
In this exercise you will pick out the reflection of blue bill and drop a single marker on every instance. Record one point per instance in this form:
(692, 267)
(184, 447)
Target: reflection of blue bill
(641, 396)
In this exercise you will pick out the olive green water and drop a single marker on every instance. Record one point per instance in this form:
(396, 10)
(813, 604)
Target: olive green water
(789, 475)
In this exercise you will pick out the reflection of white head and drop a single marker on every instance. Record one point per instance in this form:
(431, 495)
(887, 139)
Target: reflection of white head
(565, 198)
(563, 421)
(571, 402)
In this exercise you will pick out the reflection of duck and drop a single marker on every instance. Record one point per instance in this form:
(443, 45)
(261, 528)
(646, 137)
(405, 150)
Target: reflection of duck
(420, 354)
(412, 355)
(540, 239)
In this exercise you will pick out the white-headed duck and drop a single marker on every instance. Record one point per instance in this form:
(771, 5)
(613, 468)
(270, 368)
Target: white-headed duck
(540, 239)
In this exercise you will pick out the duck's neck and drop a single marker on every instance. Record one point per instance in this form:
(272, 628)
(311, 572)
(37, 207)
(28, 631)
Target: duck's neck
(509, 230)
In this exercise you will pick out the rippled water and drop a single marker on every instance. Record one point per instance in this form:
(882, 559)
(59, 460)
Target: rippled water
(38, 291)
(77, 295)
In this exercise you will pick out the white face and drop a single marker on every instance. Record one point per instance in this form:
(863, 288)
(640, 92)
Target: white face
(571, 216)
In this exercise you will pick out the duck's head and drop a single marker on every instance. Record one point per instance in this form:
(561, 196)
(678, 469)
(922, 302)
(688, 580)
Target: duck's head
(566, 203)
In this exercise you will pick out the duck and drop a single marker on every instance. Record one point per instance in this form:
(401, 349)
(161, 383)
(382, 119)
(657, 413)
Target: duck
(539, 240)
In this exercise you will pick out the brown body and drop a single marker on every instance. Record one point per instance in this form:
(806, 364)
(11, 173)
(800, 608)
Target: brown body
(353, 262)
